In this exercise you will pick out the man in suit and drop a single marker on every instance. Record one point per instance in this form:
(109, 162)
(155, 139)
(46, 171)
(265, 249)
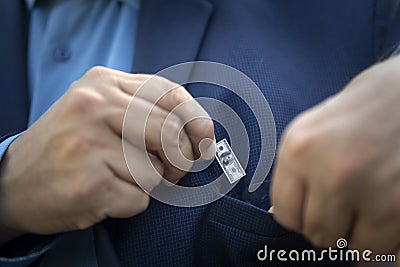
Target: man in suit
(66, 171)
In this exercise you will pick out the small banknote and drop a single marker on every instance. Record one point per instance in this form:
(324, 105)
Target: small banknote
(228, 162)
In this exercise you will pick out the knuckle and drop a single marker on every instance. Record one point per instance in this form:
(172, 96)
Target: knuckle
(97, 71)
(84, 99)
(175, 94)
(104, 78)
(164, 82)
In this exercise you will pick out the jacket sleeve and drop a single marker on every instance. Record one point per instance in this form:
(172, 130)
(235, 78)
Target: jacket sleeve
(23, 250)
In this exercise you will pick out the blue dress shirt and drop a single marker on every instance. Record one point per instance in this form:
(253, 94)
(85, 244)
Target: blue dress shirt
(67, 38)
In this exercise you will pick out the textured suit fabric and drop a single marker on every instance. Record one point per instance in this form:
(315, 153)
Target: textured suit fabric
(298, 53)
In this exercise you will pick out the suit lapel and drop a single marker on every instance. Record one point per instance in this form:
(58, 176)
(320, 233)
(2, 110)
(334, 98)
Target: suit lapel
(13, 76)
(169, 32)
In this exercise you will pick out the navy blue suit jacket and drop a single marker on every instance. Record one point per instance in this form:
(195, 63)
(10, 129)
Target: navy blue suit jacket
(297, 52)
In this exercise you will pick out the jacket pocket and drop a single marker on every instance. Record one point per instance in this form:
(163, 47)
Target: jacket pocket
(240, 215)
(232, 233)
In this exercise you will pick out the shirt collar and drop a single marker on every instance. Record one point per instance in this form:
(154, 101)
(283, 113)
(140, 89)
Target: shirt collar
(133, 3)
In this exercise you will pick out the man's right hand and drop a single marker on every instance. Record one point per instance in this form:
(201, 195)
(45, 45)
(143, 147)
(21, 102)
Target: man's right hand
(68, 170)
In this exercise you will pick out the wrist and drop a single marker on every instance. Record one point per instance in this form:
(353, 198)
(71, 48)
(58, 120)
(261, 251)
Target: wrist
(8, 231)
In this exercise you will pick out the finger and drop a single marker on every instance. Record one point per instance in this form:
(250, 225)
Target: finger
(146, 169)
(176, 163)
(198, 123)
(194, 113)
(198, 126)
(169, 95)
(379, 237)
(287, 197)
(110, 78)
(326, 217)
(125, 200)
(151, 128)
(143, 124)
(114, 156)
(134, 165)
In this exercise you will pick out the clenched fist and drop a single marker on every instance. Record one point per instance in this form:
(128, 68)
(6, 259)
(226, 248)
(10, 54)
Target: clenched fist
(338, 167)
(68, 170)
